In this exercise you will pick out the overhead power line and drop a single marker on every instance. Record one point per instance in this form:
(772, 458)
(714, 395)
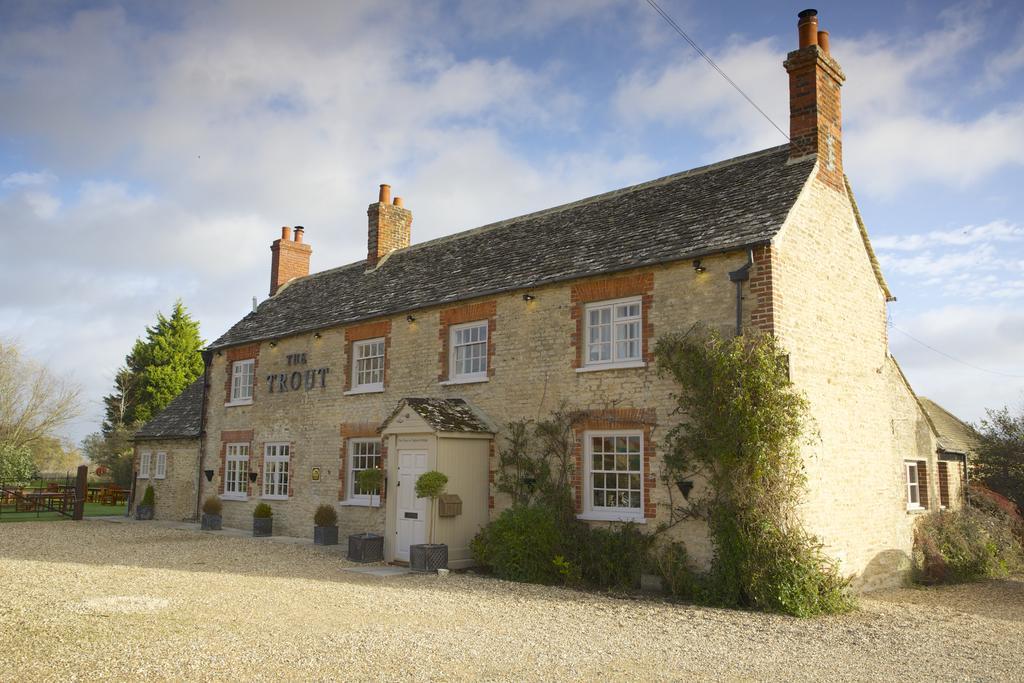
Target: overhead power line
(678, 29)
(955, 359)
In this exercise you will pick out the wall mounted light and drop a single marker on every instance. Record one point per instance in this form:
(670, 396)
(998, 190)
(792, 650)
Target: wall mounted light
(209, 475)
(273, 344)
(410, 318)
(528, 297)
(220, 353)
(698, 267)
(252, 477)
(685, 486)
(317, 335)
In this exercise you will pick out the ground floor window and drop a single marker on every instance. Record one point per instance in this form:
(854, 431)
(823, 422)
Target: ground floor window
(276, 458)
(236, 470)
(363, 454)
(913, 485)
(614, 473)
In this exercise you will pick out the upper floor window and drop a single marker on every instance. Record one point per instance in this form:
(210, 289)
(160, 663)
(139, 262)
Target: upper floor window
(276, 458)
(468, 351)
(363, 454)
(243, 373)
(236, 470)
(368, 365)
(614, 332)
(144, 458)
(613, 466)
(161, 466)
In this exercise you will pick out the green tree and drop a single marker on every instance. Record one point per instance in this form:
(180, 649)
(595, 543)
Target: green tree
(16, 465)
(1000, 458)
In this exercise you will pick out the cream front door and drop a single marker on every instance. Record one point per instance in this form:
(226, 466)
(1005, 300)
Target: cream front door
(411, 523)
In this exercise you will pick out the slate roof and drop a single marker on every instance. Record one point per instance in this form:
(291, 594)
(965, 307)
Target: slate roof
(181, 419)
(730, 205)
(444, 414)
(955, 435)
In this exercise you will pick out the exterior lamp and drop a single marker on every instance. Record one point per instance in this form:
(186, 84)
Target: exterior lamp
(685, 486)
(316, 335)
(410, 318)
(273, 344)
(528, 297)
(209, 475)
(698, 267)
(252, 477)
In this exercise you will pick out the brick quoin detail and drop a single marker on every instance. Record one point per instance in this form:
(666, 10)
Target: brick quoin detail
(644, 419)
(944, 484)
(237, 353)
(485, 310)
(354, 430)
(235, 436)
(639, 284)
(922, 482)
(764, 304)
(374, 330)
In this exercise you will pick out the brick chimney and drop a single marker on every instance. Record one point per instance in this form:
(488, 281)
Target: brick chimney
(289, 258)
(815, 117)
(390, 227)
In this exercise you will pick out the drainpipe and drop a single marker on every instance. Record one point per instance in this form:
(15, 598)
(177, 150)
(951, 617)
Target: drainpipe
(207, 359)
(739, 276)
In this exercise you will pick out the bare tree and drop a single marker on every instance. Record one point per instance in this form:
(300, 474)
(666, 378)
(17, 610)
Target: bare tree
(34, 403)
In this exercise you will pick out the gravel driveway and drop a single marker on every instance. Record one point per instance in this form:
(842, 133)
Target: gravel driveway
(81, 601)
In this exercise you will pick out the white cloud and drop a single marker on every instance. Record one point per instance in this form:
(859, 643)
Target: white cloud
(995, 231)
(21, 179)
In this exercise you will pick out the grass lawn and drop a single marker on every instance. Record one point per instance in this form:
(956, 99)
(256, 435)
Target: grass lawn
(91, 510)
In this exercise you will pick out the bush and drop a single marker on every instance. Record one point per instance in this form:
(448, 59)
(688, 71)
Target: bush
(611, 558)
(672, 564)
(522, 544)
(213, 505)
(431, 484)
(149, 497)
(262, 511)
(957, 546)
(325, 515)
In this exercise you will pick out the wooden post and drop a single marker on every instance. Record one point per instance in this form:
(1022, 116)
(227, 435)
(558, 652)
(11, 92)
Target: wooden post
(81, 488)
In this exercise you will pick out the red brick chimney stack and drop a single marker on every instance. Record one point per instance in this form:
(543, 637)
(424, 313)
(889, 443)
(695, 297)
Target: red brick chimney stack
(390, 227)
(815, 115)
(289, 259)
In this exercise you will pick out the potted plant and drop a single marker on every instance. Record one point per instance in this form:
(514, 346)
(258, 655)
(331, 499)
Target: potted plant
(325, 526)
(429, 557)
(144, 510)
(212, 508)
(262, 520)
(368, 547)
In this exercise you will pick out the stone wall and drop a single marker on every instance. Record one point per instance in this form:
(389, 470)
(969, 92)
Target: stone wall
(175, 494)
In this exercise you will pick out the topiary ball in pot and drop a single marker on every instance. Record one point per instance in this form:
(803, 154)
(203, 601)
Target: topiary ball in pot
(144, 510)
(429, 557)
(325, 529)
(262, 520)
(212, 508)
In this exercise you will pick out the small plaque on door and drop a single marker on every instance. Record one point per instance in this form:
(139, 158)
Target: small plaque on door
(412, 515)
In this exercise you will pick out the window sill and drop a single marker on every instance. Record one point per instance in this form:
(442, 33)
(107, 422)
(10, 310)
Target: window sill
(611, 517)
(273, 497)
(465, 380)
(613, 366)
(916, 510)
(364, 390)
(358, 504)
(233, 404)
(236, 499)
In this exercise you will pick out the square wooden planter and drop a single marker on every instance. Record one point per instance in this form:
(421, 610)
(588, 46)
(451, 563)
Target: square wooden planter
(325, 535)
(366, 548)
(428, 557)
(211, 522)
(144, 512)
(262, 526)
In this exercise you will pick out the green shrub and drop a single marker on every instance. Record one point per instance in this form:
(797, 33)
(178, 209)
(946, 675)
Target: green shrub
(370, 480)
(262, 511)
(213, 505)
(149, 497)
(678, 578)
(325, 515)
(431, 484)
(611, 558)
(956, 546)
(522, 545)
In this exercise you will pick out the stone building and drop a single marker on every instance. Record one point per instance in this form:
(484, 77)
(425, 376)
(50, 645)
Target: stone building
(419, 355)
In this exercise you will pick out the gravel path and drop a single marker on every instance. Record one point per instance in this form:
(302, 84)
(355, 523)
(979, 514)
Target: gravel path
(94, 600)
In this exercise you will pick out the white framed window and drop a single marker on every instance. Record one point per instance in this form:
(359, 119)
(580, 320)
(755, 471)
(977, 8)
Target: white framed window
(614, 334)
(161, 466)
(368, 365)
(236, 471)
(243, 373)
(144, 458)
(363, 454)
(614, 470)
(913, 485)
(276, 458)
(468, 355)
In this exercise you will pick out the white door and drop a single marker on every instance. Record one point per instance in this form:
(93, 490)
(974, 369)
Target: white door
(411, 526)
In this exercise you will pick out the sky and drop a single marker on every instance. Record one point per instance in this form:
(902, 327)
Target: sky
(151, 151)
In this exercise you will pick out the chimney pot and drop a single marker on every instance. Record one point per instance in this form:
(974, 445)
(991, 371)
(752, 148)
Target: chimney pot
(385, 193)
(823, 41)
(298, 234)
(398, 201)
(807, 27)
(286, 233)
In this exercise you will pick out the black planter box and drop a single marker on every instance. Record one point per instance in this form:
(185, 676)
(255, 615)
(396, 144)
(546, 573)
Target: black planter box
(144, 512)
(262, 526)
(325, 535)
(211, 522)
(366, 548)
(428, 557)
